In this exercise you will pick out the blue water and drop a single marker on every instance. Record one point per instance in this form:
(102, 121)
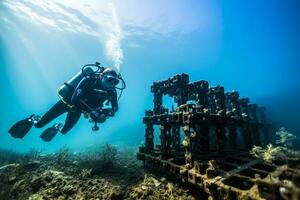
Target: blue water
(251, 46)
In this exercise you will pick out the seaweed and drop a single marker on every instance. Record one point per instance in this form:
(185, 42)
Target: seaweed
(286, 138)
(279, 152)
(268, 154)
(108, 155)
(10, 156)
(35, 153)
(104, 158)
(63, 156)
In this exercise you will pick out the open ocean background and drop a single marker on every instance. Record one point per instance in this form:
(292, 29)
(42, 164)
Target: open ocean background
(251, 46)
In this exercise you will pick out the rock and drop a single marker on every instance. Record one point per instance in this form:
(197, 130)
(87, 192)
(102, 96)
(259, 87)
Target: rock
(156, 182)
(36, 197)
(48, 178)
(14, 165)
(12, 178)
(55, 173)
(36, 183)
(69, 189)
(86, 173)
(170, 187)
(18, 187)
(116, 194)
(163, 179)
(144, 187)
(31, 165)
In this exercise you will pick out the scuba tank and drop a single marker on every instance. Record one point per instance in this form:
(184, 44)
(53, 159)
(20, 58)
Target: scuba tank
(66, 91)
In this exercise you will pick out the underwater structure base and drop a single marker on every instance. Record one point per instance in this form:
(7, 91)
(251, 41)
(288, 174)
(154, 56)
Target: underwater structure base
(232, 175)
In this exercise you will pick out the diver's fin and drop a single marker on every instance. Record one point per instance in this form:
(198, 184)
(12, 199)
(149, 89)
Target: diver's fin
(51, 132)
(21, 128)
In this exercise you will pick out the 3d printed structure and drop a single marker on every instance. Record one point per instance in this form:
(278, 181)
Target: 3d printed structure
(206, 138)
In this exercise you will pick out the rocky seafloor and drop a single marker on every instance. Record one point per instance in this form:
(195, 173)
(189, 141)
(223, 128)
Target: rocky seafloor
(108, 173)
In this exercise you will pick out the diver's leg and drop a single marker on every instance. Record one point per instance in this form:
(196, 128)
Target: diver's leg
(71, 120)
(56, 110)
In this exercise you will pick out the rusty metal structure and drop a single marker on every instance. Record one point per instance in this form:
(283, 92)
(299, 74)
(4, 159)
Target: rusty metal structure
(204, 140)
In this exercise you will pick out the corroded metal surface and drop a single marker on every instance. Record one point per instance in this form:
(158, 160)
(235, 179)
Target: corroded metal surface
(203, 140)
(238, 176)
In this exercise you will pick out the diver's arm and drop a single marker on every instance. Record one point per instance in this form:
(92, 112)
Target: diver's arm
(114, 101)
(110, 112)
(114, 105)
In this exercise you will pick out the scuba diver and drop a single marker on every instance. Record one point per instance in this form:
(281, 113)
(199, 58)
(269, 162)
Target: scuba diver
(91, 92)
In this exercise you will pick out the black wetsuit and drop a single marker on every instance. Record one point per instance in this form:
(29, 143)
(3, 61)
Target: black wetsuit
(88, 96)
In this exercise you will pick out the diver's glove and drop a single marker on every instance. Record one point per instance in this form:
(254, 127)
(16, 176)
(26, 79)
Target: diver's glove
(109, 112)
(98, 116)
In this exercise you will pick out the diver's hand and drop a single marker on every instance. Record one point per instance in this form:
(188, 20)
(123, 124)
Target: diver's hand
(110, 113)
(98, 116)
(101, 118)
